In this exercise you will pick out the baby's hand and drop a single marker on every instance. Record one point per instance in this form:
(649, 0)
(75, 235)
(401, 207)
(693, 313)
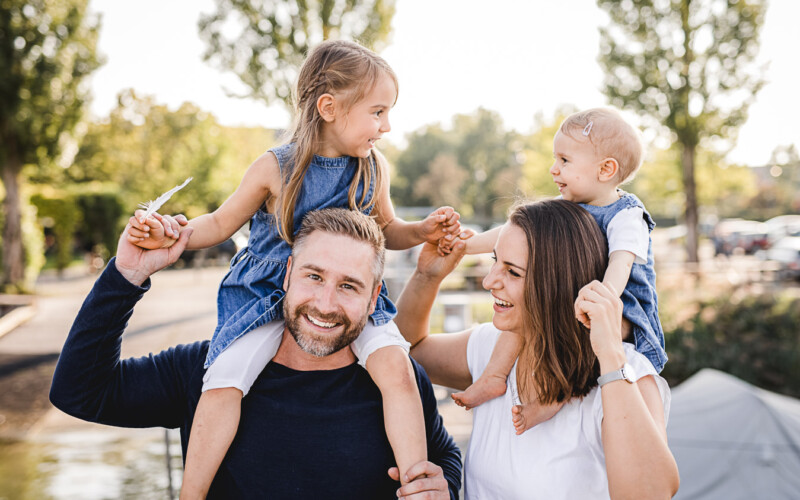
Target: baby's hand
(158, 231)
(445, 245)
(441, 223)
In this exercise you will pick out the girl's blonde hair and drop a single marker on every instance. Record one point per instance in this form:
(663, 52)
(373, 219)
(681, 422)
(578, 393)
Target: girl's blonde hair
(557, 362)
(347, 71)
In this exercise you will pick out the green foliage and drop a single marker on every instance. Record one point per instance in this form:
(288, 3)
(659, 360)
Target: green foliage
(88, 217)
(47, 48)
(146, 148)
(475, 166)
(538, 155)
(61, 214)
(264, 43)
(686, 65)
(723, 188)
(755, 339)
(103, 218)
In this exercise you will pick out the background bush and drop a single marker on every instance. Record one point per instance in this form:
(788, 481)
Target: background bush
(756, 339)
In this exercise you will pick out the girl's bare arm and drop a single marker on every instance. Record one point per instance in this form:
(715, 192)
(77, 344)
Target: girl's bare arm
(261, 181)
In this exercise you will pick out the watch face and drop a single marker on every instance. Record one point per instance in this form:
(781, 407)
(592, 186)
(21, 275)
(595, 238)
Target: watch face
(628, 373)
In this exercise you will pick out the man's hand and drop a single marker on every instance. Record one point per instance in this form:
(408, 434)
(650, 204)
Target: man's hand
(427, 482)
(137, 264)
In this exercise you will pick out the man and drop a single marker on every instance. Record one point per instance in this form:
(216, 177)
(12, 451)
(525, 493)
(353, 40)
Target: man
(312, 424)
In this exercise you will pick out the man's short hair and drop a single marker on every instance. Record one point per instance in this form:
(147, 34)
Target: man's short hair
(349, 223)
(610, 135)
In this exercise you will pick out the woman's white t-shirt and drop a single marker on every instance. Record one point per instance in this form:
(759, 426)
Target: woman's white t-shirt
(561, 458)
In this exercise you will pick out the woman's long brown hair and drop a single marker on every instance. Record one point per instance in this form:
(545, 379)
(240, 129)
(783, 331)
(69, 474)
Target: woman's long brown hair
(567, 251)
(347, 71)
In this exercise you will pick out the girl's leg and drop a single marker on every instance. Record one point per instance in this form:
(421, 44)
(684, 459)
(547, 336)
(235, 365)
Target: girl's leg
(213, 429)
(216, 418)
(384, 353)
(492, 382)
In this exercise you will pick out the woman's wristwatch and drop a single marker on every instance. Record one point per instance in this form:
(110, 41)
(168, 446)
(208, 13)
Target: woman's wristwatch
(625, 373)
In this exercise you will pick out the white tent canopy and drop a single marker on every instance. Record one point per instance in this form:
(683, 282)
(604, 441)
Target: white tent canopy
(733, 440)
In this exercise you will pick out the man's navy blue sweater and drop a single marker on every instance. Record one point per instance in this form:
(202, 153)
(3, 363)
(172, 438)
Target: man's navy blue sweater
(302, 435)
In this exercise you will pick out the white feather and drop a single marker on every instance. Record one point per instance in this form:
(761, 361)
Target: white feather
(151, 206)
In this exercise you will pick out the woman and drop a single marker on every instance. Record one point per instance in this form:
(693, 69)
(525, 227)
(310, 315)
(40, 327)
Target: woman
(608, 443)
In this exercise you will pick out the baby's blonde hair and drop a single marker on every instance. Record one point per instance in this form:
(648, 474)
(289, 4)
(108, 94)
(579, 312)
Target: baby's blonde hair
(611, 136)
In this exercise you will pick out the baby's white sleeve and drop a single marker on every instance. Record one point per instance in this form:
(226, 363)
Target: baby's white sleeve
(374, 337)
(628, 231)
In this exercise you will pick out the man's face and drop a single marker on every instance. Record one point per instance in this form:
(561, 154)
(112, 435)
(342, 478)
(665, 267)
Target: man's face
(330, 292)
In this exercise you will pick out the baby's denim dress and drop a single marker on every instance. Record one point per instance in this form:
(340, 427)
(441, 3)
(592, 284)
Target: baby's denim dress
(251, 294)
(639, 299)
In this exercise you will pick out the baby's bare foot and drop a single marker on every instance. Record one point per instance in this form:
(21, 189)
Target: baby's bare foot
(485, 388)
(526, 416)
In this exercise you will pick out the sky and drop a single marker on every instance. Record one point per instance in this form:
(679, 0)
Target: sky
(519, 58)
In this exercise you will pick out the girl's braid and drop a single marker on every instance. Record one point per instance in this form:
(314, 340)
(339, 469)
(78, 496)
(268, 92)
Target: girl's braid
(319, 81)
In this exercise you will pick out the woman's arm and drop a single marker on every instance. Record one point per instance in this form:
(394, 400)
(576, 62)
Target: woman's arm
(443, 356)
(633, 428)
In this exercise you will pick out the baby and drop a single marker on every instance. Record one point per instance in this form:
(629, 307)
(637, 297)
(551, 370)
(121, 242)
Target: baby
(595, 151)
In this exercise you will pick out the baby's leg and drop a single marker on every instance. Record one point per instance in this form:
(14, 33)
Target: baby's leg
(492, 382)
(216, 418)
(384, 353)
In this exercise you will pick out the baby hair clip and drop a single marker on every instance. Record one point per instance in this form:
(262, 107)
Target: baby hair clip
(588, 128)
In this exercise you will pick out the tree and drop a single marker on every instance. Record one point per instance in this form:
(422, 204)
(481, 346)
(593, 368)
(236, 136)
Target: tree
(148, 148)
(47, 48)
(442, 183)
(478, 158)
(687, 65)
(264, 42)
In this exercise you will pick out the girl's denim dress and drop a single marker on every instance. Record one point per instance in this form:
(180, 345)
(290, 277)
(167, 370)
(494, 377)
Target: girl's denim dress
(251, 294)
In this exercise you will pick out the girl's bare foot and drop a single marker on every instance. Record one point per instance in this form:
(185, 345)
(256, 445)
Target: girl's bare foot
(526, 416)
(485, 388)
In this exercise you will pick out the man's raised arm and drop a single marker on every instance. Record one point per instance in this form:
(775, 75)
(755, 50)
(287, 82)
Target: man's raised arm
(92, 383)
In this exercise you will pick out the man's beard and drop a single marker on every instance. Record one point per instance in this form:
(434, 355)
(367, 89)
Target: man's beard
(313, 343)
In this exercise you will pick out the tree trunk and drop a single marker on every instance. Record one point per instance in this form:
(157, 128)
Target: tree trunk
(687, 162)
(13, 256)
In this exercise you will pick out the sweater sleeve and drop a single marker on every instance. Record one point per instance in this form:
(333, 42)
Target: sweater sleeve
(442, 450)
(92, 383)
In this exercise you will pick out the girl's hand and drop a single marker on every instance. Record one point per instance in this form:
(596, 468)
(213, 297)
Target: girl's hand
(603, 307)
(441, 223)
(157, 231)
(172, 225)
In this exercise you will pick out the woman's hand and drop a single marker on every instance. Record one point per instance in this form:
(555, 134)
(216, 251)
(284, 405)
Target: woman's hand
(434, 266)
(602, 305)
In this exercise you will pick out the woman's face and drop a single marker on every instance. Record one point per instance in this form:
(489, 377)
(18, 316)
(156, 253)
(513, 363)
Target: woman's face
(506, 279)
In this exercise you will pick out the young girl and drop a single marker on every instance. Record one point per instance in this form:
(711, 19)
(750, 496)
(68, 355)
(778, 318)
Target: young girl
(343, 97)
(595, 151)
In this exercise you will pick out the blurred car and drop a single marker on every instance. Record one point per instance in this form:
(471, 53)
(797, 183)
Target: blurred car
(732, 234)
(786, 253)
(218, 255)
(783, 225)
